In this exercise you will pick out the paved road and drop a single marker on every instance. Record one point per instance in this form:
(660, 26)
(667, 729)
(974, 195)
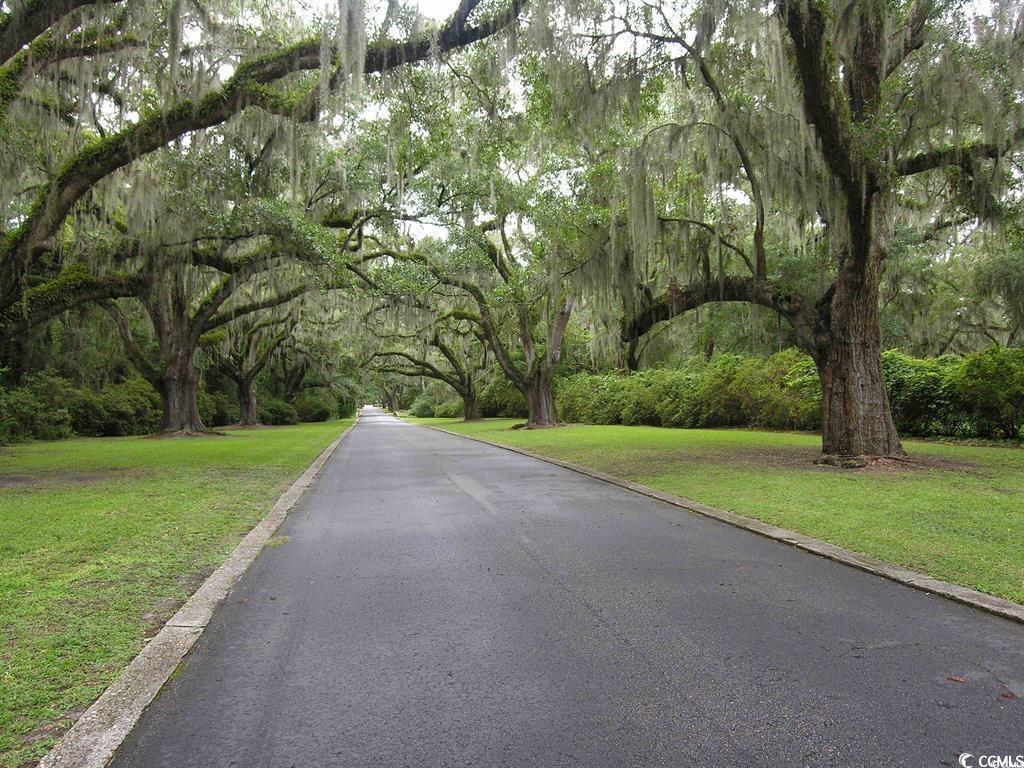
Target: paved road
(443, 603)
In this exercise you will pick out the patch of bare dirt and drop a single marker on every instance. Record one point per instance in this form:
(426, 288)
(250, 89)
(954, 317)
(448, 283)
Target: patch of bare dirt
(68, 478)
(806, 459)
(164, 608)
(186, 433)
(52, 730)
(888, 465)
(14, 481)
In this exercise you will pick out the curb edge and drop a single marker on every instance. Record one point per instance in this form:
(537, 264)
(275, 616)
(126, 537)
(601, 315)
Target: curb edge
(96, 735)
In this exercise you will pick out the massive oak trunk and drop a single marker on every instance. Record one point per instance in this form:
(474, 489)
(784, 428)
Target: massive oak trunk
(178, 387)
(842, 97)
(470, 410)
(246, 402)
(540, 400)
(856, 417)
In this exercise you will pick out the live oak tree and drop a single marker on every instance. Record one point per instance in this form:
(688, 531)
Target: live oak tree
(847, 166)
(443, 354)
(506, 261)
(809, 130)
(321, 354)
(243, 350)
(509, 307)
(190, 291)
(204, 252)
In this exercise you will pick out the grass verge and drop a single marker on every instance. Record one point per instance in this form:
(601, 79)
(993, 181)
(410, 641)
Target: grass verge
(953, 512)
(101, 540)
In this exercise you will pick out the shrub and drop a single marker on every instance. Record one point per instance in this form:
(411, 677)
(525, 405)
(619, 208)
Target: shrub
(451, 408)
(731, 390)
(271, 410)
(677, 404)
(9, 427)
(36, 411)
(313, 406)
(217, 409)
(134, 407)
(782, 392)
(645, 390)
(803, 394)
(129, 408)
(498, 398)
(89, 416)
(922, 393)
(990, 388)
(721, 401)
(423, 406)
(657, 396)
(346, 405)
(592, 398)
(26, 416)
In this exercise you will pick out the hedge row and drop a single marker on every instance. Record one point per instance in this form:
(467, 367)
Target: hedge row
(781, 392)
(980, 395)
(51, 408)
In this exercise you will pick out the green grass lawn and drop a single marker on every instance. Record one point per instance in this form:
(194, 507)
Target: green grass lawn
(955, 512)
(100, 542)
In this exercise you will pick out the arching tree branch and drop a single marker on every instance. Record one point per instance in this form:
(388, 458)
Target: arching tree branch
(247, 87)
(31, 18)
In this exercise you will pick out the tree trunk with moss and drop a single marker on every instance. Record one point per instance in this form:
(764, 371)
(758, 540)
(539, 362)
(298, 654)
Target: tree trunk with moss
(248, 413)
(856, 416)
(179, 389)
(540, 399)
(470, 409)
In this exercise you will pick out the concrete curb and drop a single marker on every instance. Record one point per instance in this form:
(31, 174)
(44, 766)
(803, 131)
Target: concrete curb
(989, 603)
(92, 740)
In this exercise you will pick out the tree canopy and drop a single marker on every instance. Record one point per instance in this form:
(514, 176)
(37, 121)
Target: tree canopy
(366, 198)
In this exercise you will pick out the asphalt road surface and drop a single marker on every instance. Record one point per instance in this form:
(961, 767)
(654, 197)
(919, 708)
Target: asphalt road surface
(443, 603)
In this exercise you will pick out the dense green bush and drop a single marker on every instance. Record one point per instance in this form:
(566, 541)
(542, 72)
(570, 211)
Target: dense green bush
(437, 400)
(450, 408)
(922, 393)
(217, 409)
(663, 397)
(346, 406)
(25, 415)
(423, 406)
(720, 395)
(591, 398)
(990, 388)
(498, 398)
(48, 407)
(313, 406)
(781, 392)
(129, 408)
(271, 410)
(982, 394)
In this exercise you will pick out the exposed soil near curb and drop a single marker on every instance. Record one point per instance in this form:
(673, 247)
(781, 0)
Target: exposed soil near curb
(69, 478)
(803, 459)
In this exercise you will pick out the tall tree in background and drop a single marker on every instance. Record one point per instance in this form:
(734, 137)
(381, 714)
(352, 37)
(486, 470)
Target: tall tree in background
(512, 227)
(245, 349)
